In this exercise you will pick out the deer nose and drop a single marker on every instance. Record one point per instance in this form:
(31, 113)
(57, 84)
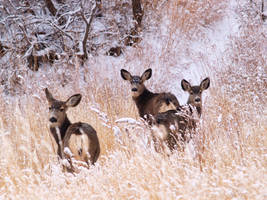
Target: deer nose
(53, 120)
(134, 89)
(197, 99)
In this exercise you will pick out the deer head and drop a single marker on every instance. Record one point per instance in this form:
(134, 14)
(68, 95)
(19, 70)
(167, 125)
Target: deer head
(58, 109)
(137, 82)
(195, 92)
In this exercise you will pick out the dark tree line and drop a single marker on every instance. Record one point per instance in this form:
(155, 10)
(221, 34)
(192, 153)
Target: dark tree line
(48, 30)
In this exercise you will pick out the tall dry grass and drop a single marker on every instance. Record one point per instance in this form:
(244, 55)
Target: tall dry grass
(231, 138)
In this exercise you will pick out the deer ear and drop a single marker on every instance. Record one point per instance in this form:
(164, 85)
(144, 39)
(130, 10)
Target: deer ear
(146, 75)
(185, 85)
(205, 84)
(126, 75)
(74, 100)
(49, 96)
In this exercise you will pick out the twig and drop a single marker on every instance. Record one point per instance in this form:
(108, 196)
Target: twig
(58, 28)
(25, 34)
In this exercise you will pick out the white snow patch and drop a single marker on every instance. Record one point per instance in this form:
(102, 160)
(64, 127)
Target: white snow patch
(68, 152)
(66, 163)
(190, 150)
(128, 121)
(116, 131)
(219, 118)
(172, 127)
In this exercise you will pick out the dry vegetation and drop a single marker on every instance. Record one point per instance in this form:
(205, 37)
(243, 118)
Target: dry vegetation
(231, 140)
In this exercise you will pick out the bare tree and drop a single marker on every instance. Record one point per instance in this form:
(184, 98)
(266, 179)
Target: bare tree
(88, 23)
(44, 31)
(133, 35)
(137, 16)
(99, 8)
(260, 8)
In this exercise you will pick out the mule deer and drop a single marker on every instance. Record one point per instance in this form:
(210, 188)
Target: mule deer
(80, 138)
(148, 103)
(177, 125)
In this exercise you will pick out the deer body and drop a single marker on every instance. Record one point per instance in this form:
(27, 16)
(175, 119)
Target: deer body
(179, 124)
(147, 102)
(80, 138)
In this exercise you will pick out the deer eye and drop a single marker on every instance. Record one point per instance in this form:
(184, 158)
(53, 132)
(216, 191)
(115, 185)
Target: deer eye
(61, 109)
(50, 108)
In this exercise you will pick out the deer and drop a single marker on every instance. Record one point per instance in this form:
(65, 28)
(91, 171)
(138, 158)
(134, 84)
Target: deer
(175, 126)
(148, 103)
(75, 141)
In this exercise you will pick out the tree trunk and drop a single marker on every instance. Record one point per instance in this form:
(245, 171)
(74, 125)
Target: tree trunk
(137, 11)
(99, 8)
(137, 16)
(87, 30)
(51, 7)
(61, 1)
(264, 10)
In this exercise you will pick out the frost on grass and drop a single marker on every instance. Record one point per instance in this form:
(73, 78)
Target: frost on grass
(128, 121)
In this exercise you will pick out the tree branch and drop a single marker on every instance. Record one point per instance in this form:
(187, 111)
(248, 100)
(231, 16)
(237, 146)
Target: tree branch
(58, 28)
(87, 28)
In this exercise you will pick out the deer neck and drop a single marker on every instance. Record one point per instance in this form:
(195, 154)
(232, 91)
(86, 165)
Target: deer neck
(63, 128)
(197, 107)
(199, 110)
(59, 134)
(142, 100)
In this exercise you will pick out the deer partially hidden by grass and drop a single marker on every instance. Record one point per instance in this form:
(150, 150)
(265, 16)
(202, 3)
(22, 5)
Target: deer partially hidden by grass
(76, 142)
(147, 102)
(177, 126)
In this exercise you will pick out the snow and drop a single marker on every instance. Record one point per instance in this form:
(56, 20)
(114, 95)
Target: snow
(172, 128)
(116, 131)
(68, 152)
(220, 118)
(127, 120)
(66, 163)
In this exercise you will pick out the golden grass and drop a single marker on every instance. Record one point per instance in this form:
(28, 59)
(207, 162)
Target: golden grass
(186, 17)
(233, 158)
(231, 138)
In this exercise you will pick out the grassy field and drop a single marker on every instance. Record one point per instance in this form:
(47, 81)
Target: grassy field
(231, 140)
